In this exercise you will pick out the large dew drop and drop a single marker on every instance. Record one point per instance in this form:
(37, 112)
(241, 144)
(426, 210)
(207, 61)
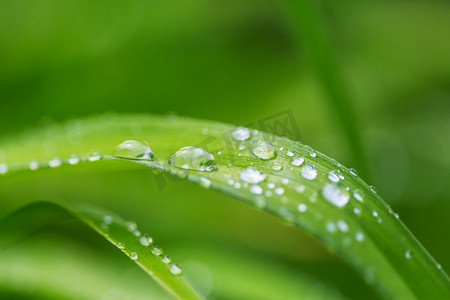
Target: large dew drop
(251, 175)
(336, 194)
(193, 158)
(241, 134)
(264, 150)
(134, 150)
(309, 172)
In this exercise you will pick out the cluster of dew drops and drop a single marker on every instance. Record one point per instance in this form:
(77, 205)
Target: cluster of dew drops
(198, 159)
(146, 241)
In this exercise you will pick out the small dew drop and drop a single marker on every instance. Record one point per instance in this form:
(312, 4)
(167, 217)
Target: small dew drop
(290, 153)
(34, 165)
(241, 134)
(309, 172)
(131, 226)
(137, 233)
(260, 202)
(279, 191)
(333, 177)
(256, 189)
(3, 168)
(146, 240)
(175, 270)
(134, 150)
(300, 188)
(107, 219)
(336, 194)
(264, 150)
(356, 210)
(408, 254)
(55, 162)
(157, 251)
(277, 167)
(94, 156)
(251, 175)
(375, 213)
(359, 236)
(166, 259)
(193, 158)
(302, 207)
(342, 225)
(133, 256)
(73, 160)
(121, 246)
(204, 182)
(286, 214)
(330, 226)
(373, 189)
(312, 154)
(297, 161)
(357, 195)
(353, 172)
(271, 185)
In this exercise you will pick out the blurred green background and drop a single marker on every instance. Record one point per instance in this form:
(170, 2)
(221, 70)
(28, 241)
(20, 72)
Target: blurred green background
(236, 62)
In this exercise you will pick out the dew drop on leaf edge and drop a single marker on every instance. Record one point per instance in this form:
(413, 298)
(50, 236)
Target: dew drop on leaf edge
(193, 158)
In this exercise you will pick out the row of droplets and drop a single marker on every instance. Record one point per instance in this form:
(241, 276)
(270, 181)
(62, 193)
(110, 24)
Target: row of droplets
(146, 241)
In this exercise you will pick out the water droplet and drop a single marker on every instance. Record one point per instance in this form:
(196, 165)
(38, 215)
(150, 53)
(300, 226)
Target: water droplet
(204, 182)
(396, 215)
(290, 153)
(251, 175)
(260, 202)
(166, 259)
(131, 226)
(302, 207)
(313, 154)
(193, 158)
(353, 172)
(333, 177)
(309, 172)
(107, 219)
(286, 214)
(359, 236)
(356, 210)
(264, 150)
(375, 213)
(133, 256)
(297, 161)
(121, 246)
(73, 160)
(279, 191)
(55, 162)
(300, 188)
(330, 226)
(237, 185)
(134, 150)
(34, 165)
(3, 168)
(137, 233)
(271, 185)
(277, 167)
(104, 227)
(342, 225)
(373, 189)
(175, 269)
(157, 251)
(146, 240)
(336, 194)
(256, 189)
(94, 156)
(241, 134)
(408, 254)
(357, 195)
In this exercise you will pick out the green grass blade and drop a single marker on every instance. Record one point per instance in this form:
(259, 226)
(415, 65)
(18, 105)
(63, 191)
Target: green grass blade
(366, 233)
(124, 235)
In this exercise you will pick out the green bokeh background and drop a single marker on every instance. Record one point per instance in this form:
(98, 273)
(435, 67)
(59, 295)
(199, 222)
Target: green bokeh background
(236, 62)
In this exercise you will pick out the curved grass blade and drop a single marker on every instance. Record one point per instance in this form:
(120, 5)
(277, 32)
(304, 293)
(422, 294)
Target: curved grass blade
(138, 246)
(300, 185)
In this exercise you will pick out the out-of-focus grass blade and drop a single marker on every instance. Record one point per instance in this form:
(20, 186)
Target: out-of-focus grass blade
(300, 185)
(137, 245)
